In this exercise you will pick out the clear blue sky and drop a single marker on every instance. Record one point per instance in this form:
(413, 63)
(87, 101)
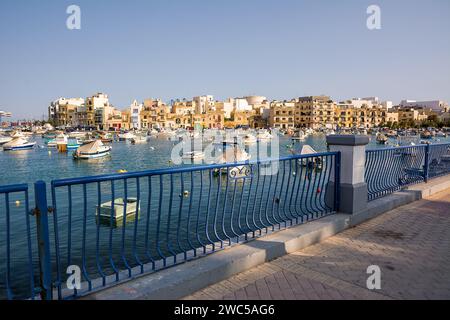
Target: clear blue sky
(180, 48)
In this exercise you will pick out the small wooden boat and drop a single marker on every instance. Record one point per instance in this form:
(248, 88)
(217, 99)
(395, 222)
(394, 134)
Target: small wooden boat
(126, 136)
(95, 149)
(18, 144)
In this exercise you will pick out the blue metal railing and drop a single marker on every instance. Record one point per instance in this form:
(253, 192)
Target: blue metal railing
(174, 215)
(17, 266)
(392, 169)
(438, 160)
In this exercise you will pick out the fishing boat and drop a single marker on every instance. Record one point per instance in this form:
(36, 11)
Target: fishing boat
(95, 149)
(128, 136)
(18, 144)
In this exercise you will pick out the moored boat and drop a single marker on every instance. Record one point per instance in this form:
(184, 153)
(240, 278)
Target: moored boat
(128, 136)
(18, 144)
(92, 150)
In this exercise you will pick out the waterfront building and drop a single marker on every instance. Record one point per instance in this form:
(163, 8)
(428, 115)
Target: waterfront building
(240, 118)
(117, 120)
(410, 115)
(154, 114)
(282, 115)
(315, 112)
(203, 103)
(62, 112)
(135, 115)
(183, 107)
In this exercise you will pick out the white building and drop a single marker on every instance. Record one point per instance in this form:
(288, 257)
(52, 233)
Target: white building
(98, 101)
(55, 105)
(203, 103)
(135, 115)
(435, 105)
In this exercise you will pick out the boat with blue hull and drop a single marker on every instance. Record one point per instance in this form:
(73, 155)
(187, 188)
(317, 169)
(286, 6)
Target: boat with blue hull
(18, 144)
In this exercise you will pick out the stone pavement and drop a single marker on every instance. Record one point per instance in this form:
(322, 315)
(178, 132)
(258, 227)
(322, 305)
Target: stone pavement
(410, 244)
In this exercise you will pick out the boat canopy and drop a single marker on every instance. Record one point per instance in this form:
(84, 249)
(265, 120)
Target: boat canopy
(91, 147)
(307, 149)
(16, 142)
(231, 155)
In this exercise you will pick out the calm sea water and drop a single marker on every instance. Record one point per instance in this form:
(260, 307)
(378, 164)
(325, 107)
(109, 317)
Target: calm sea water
(45, 164)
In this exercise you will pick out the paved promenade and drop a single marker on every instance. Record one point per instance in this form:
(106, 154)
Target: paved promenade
(410, 244)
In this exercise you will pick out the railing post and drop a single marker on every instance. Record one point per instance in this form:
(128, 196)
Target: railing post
(43, 239)
(426, 168)
(337, 179)
(351, 195)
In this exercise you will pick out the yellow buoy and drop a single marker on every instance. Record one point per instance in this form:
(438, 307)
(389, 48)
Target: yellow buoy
(17, 203)
(122, 171)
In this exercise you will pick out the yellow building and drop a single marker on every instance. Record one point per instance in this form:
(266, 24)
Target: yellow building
(315, 112)
(282, 116)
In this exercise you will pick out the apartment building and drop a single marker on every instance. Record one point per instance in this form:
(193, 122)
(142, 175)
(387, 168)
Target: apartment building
(282, 115)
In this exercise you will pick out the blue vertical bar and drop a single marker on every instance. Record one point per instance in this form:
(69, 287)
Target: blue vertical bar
(337, 181)
(43, 240)
(427, 163)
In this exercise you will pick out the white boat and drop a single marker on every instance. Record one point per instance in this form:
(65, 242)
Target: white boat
(138, 140)
(92, 150)
(300, 135)
(4, 140)
(60, 139)
(77, 134)
(18, 144)
(126, 136)
(232, 155)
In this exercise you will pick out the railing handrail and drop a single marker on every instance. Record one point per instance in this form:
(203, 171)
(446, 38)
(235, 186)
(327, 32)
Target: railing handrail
(157, 172)
(406, 147)
(14, 188)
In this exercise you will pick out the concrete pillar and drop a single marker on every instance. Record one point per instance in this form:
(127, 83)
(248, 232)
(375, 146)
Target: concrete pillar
(353, 189)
